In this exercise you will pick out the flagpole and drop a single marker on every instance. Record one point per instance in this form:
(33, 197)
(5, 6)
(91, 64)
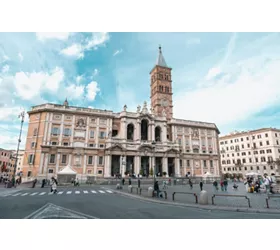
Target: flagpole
(21, 115)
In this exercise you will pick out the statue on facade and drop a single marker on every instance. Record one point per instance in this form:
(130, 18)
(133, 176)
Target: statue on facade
(145, 109)
(124, 108)
(138, 108)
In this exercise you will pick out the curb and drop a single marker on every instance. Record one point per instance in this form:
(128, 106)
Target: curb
(203, 207)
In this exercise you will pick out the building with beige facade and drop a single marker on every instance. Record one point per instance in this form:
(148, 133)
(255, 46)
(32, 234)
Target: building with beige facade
(105, 143)
(255, 151)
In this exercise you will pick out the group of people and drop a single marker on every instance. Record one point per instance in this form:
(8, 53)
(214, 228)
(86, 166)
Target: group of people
(259, 184)
(223, 185)
(10, 182)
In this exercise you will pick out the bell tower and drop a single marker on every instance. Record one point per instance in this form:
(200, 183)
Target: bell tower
(161, 88)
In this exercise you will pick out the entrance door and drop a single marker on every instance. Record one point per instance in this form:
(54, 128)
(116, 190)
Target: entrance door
(171, 166)
(145, 166)
(115, 165)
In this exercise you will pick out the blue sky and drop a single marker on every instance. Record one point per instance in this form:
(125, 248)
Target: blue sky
(232, 79)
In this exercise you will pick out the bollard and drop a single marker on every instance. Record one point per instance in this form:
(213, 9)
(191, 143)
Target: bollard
(203, 198)
(118, 186)
(129, 188)
(150, 192)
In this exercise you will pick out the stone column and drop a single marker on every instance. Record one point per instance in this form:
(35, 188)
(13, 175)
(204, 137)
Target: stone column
(87, 133)
(137, 164)
(49, 129)
(138, 130)
(122, 166)
(57, 163)
(61, 130)
(72, 132)
(46, 129)
(41, 163)
(95, 164)
(164, 165)
(177, 167)
(85, 164)
(97, 133)
(153, 132)
(202, 167)
(70, 160)
(184, 162)
(153, 164)
(46, 163)
(107, 166)
(192, 167)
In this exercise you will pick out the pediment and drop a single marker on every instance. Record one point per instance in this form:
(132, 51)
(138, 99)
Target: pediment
(172, 151)
(147, 116)
(145, 148)
(117, 147)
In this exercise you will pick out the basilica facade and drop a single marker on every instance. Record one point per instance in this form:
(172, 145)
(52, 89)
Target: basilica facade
(102, 143)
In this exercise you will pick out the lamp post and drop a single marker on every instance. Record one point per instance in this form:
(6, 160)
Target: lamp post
(154, 167)
(21, 115)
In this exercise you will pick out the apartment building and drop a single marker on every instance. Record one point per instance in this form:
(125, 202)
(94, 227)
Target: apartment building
(251, 151)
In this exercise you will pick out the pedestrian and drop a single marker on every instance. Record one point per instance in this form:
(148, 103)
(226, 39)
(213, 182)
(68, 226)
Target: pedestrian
(123, 180)
(225, 184)
(138, 183)
(156, 188)
(129, 181)
(34, 183)
(222, 185)
(201, 185)
(190, 183)
(54, 186)
(43, 183)
(215, 184)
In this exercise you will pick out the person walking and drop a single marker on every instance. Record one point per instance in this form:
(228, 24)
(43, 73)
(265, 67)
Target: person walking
(156, 188)
(54, 186)
(215, 184)
(190, 183)
(201, 185)
(222, 185)
(225, 184)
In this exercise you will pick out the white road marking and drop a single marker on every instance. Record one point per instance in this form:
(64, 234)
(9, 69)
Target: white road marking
(16, 194)
(34, 194)
(85, 192)
(77, 192)
(50, 193)
(108, 191)
(42, 193)
(69, 192)
(93, 191)
(60, 192)
(100, 191)
(25, 194)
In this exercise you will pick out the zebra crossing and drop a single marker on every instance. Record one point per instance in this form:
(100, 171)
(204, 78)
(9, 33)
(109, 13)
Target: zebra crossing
(63, 192)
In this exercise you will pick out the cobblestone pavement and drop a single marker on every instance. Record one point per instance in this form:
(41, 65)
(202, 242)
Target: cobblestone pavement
(258, 201)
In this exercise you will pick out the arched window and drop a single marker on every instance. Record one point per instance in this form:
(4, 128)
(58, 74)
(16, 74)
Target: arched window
(35, 131)
(130, 132)
(158, 133)
(144, 130)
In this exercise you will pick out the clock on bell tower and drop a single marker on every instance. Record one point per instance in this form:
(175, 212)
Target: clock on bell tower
(161, 88)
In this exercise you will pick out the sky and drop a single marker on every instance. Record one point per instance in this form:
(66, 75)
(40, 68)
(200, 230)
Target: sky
(230, 79)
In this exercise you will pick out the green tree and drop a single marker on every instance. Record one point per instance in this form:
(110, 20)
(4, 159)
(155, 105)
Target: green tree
(151, 171)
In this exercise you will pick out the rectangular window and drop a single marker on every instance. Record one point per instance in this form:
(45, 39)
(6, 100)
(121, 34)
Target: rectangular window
(277, 142)
(65, 143)
(63, 159)
(92, 145)
(91, 134)
(261, 143)
(247, 138)
(29, 173)
(268, 151)
(101, 145)
(267, 142)
(102, 135)
(250, 160)
(211, 163)
(31, 159)
(266, 135)
(248, 145)
(54, 143)
(257, 159)
(67, 132)
(205, 164)
(55, 131)
(90, 160)
(188, 163)
(50, 171)
(52, 158)
(243, 160)
(275, 134)
(33, 144)
(100, 160)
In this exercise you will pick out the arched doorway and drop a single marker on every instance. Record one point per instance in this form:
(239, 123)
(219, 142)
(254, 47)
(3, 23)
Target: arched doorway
(144, 130)
(115, 165)
(158, 133)
(130, 132)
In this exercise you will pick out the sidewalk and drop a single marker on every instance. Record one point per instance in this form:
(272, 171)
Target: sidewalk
(258, 201)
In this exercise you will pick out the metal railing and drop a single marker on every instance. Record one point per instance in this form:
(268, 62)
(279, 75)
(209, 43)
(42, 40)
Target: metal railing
(139, 190)
(194, 194)
(228, 195)
(268, 198)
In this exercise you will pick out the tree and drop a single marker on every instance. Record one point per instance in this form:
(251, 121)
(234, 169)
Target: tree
(164, 173)
(141, 171)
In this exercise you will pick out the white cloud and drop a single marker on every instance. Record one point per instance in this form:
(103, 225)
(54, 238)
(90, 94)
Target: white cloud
(117, 52)
(79, 78)
(75, 50)
(5, 68)
(74, 91)
(9, 113)
(95, 72)
(10, 141)
(213, 72)
(236, 97)
(29, 85)
(20, 56)
(92, 90)
(42, 36)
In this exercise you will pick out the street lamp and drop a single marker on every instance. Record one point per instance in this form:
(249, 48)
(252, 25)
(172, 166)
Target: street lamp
(21, 115)
(154, 153)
